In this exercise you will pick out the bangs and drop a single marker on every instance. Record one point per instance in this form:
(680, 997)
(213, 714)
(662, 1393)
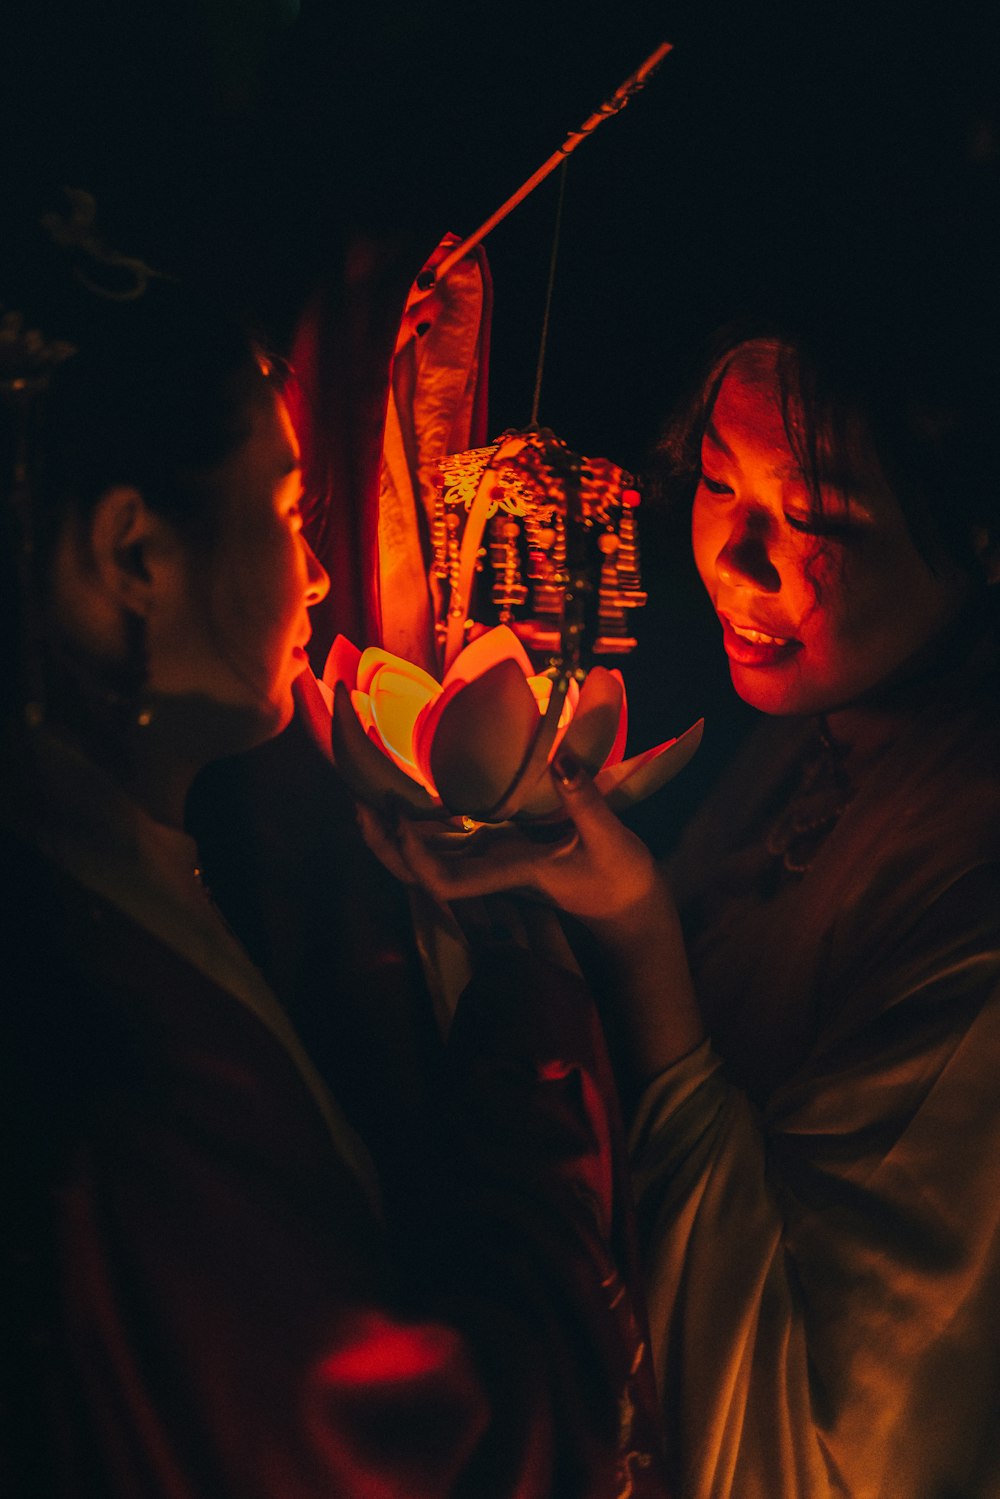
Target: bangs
(822, 399)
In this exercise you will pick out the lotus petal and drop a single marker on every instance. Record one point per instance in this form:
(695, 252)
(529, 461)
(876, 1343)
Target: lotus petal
(594, 731)
(370, 774)
(591, 736)
(362, 705)
(375, 658)
(621, 738)
(525, 784)
(485, 652)
(482, 740)
(397, 700)
(631, 781)
(342, 663)
(426, 727)
(541, 690)
(314, 710)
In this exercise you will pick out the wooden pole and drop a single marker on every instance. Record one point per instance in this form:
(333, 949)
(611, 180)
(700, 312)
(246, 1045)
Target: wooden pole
(429, 278)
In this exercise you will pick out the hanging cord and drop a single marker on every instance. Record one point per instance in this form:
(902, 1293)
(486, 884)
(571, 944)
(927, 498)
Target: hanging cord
(543, 342)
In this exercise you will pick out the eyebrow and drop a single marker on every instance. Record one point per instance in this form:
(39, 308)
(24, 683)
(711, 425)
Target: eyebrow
(779, 470)
(716, 439)
(830, 479)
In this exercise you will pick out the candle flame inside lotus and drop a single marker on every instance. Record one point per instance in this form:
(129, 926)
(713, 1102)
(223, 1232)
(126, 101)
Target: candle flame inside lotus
(479, 743)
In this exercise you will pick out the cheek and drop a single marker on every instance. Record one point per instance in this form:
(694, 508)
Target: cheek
(706, 542)
(857, 626)
(254, 594)
(819, 576)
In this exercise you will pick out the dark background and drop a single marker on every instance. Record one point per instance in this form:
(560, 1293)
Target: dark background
(248, 140)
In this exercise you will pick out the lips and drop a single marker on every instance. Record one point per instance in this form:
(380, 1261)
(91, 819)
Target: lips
(750, 645)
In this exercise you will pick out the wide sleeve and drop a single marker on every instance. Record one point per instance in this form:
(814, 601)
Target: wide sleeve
(824, 1276)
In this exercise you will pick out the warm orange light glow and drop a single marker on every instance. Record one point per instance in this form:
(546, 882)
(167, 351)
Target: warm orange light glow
(478, 744)
(541, 688)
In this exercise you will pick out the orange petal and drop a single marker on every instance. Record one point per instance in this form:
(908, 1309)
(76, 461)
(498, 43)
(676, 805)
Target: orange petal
(485, 652)
(541, 691)
(374, 658)
(596, 724)
(362, 705)
(426, 727)
(369, 773)
(482, 740)
(342, 663)
(533, 784)
(633, 780)
(618, 748)
(397, 701)
(541, 687)
(313, 710)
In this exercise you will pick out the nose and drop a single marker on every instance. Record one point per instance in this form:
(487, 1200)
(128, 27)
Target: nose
(317, 577)
(745, 557)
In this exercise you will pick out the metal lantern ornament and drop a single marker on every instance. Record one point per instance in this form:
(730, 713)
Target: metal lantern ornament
(551, 519)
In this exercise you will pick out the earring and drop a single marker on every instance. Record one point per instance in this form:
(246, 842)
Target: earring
(133, 691)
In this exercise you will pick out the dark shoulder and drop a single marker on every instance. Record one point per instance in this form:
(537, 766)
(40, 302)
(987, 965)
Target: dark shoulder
(59, 1046)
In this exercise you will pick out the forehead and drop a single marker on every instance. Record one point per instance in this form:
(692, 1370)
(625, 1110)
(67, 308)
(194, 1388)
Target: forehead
(754, 423)
(272, 441)
(747, 410)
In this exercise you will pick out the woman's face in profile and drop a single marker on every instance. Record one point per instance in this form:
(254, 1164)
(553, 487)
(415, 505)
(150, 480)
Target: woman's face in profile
(816, 610)
(249, 600)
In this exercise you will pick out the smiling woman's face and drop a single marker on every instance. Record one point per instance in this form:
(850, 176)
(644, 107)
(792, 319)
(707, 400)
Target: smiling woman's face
(817, 610)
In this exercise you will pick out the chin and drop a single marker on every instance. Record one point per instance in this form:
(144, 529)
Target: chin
(768, 693)
(279, 718)
(267, 720)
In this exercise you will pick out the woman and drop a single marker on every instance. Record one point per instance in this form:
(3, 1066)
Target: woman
(197, 1290)
(814, 1003)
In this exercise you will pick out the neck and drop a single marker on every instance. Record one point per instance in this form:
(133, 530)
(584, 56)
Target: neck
(138, 757)
(153, 753)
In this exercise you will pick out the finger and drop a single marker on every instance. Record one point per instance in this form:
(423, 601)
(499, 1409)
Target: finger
(581, 799)
(500, 866)
(383, 845)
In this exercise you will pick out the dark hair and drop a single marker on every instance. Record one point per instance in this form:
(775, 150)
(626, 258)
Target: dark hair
(911, 394)
(159, 393)
(156, 403)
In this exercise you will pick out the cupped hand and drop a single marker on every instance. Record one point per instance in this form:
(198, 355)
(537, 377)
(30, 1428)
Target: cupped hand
(592, 867)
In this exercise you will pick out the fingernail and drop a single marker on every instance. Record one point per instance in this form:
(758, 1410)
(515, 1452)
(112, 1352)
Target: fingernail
(567, 768)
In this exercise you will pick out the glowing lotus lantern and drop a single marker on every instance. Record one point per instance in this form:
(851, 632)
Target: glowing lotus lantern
(479, 743)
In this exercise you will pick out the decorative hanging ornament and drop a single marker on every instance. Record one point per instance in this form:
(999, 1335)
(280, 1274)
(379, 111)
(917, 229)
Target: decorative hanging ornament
(559, 527)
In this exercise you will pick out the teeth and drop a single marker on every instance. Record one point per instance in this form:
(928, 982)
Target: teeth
(757, 637)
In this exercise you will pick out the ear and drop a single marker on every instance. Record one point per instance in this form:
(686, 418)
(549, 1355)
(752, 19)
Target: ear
(128, 544)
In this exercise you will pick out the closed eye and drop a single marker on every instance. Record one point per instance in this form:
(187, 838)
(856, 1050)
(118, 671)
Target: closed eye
(715, 486)
(818, 525)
